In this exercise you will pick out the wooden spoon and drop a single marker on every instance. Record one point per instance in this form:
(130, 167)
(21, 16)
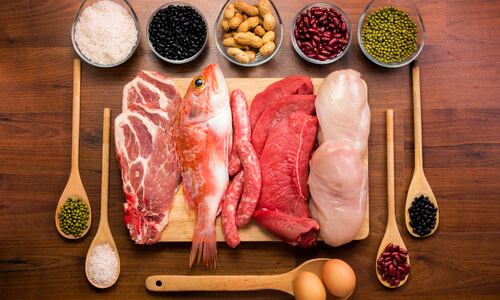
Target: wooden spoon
(281, 282)
(391, 232)
(103, 235)
(74, 188)
(419, 185)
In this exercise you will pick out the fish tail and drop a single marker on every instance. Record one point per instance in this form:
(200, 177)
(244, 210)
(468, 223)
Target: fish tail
(205, 244)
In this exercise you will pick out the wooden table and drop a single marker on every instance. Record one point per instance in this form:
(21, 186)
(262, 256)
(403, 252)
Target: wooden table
(460, 74)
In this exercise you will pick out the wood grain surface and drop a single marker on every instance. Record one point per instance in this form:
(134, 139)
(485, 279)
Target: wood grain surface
(181, 227)
(460, 73)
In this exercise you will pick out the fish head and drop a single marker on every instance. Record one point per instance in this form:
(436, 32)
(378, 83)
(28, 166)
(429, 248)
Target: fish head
(206, 97)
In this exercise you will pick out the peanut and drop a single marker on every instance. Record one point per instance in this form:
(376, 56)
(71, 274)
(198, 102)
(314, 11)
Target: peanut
(265, 12)
(259, 31)
(251, 11)
(229, 12)
(267, 49)
(228, 34)
(268, 37)
(235, 21)
(231, 42)
(251, 54)
(248, 24)
(240, 56)
(247, 38)
(225, 25)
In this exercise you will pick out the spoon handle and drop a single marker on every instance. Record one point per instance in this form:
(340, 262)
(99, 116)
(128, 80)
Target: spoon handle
(105, 168)
(390, 166)
(164, 283)
(75, 127)
(417, 116)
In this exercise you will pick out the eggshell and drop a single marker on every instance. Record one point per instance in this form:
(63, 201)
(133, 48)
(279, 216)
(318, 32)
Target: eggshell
(308, 286)
(338, 277)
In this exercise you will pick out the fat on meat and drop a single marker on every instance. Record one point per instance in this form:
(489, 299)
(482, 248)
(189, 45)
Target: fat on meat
(342, 109)
(338, 185)
(282, 207)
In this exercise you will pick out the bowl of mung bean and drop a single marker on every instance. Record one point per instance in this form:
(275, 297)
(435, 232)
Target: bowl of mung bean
(391, 33)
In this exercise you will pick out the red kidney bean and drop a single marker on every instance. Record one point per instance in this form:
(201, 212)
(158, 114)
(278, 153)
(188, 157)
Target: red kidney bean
(325, 39)
(315, 8)
(342, 41)
(299, 21)
(301, 25)
(328, 48)
(316, 38)
(398, 259)
(332, 56)
(309, 14)
(403, 251)
(393, 281)
(321, 57)
(398, 275)
(407, 268)
(312, 31)
(392, 271)
(344, 26)
(403, 277)
(386, 254)
(332, 42)
(396, 282)
(322, 18)
(311, 55)
(395, 248)
(336, 21)
(325, 52)
(299, 43)
(387, 264)
(380, 269)
(403, 257)
(338, 35)
(303, 14)
(380, 260)
(384, 276)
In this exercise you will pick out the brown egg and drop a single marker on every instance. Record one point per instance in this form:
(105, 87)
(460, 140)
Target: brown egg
(308, 286)
(338, 277)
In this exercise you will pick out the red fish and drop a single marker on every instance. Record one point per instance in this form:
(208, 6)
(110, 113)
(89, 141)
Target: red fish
(203, 135)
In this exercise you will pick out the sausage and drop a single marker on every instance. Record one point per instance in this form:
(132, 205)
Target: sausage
(228, 212)
(242, 129)
(252, 182)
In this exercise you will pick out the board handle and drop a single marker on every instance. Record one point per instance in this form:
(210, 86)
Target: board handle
(177, 283)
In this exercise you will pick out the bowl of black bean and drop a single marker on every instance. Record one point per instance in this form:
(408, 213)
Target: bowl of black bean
(177, 32)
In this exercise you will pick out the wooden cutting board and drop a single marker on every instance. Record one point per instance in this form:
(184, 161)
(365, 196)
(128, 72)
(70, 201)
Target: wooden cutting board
(180, 227)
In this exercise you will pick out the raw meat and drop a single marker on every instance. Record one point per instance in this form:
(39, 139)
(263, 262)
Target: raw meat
(342, 109)
(154, 89)
(289, 86)
(145, 149)
(282, 207)
(203, 135)
(277, 112)
(338, 184)
(150, 170)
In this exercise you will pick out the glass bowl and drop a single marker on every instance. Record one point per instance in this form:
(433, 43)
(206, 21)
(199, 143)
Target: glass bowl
(181, 61)
(408, 7)
(87, 3)
(298, 49)
(259, 59)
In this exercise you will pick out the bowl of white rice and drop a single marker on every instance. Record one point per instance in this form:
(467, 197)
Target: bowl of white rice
(105, 33)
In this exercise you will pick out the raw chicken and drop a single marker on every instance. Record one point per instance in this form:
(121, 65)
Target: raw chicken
(338, 185)
(203, 135)
(342, 109)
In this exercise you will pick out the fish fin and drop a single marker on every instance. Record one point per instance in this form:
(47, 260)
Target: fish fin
(205, 244)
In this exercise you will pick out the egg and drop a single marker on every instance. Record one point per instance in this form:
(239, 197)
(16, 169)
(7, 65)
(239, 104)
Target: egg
(308, 286)
(338, 277)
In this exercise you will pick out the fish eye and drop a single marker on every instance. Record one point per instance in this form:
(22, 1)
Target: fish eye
(198, 83)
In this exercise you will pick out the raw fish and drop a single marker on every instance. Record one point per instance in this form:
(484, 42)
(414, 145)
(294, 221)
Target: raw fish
(203, 135)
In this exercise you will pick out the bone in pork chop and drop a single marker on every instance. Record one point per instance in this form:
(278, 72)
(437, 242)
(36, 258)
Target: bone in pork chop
(146, 152)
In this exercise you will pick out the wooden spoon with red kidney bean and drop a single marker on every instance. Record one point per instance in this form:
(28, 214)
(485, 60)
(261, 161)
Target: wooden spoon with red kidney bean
(392, 246)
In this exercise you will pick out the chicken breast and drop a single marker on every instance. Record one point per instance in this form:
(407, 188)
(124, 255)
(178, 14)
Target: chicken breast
(342, 109)
(338, 185)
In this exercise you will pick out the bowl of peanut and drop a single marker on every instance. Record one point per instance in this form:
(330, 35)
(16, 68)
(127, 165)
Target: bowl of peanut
(248, 34)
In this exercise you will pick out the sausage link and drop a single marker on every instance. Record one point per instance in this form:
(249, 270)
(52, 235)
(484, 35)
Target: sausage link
(228, 212)
(242, 128)
(252, 182)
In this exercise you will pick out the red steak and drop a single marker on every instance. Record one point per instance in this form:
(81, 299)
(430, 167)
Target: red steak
(289, 86)
(277, 112)
(282, 207)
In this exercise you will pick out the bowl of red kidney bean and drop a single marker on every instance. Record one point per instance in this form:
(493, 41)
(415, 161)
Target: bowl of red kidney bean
(321, 33)
(177, 32)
